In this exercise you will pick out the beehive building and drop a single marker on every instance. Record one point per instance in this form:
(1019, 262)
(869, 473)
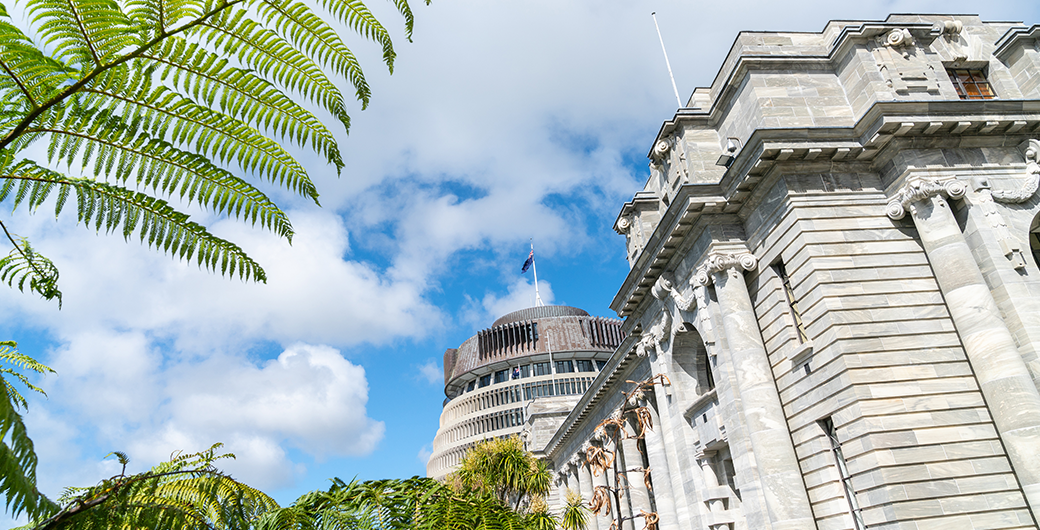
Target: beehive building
(520, 376)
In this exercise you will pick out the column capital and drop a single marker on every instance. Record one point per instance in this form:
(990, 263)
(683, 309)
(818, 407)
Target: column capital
(922, 188)
(721, 261)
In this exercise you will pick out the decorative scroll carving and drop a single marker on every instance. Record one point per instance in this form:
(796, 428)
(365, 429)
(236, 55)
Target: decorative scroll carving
(922, 188)
(1029, 187)
(661, 149)
(664, 288)
(655, 336)
(898, 38)
(718, 261)
(624, 224)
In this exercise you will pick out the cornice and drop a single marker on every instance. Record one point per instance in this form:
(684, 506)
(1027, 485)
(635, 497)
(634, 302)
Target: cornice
(770, 150)
(1014, 38)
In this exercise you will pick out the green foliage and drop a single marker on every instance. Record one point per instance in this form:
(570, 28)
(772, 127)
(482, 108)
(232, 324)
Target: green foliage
(503, 468)
(17, 455)
(186, 493)
(415, 503)
(155, 104)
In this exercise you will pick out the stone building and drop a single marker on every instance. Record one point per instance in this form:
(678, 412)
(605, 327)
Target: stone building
(521, 376)
(834, 295)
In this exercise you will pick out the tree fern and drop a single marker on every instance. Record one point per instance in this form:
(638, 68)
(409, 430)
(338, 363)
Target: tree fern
(186, 493)
(150, 104)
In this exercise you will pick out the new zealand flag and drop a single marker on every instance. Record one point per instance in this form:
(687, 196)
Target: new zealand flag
(527, 264)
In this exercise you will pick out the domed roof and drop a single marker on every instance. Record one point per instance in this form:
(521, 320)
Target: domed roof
(544, 311)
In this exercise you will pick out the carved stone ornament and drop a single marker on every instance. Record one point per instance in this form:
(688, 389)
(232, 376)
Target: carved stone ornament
(1028, 188)
(574, 461)
(624, 224)
(922, 188)
(899, 38)
(949, 28)
(652, 338)
(661, 149)
(664, 288)
(718, 262)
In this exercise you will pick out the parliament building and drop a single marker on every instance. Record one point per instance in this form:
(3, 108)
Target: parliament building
(832, 315)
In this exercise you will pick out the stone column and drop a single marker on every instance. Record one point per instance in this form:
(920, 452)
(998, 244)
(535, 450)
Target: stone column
(585, 485)
(638, 495)
(787, 502)
(660, 474)
(1011, 397)
(613, 481)
(600, 481)
(711, 482)
(572, 479)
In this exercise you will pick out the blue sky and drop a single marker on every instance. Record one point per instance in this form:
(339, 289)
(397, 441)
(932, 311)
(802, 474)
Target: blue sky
(504, 121)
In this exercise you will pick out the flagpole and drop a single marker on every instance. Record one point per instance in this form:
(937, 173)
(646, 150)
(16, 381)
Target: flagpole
(534, 265)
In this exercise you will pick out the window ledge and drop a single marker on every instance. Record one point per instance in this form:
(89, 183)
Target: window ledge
(801, 354)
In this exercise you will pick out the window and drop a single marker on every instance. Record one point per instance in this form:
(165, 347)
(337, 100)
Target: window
(585, 366)
(542, 369)
(971, 84)
(485, 380)
(564, 367)
(501, 376)
(525, 370)
(846, 479)
(471, 384)
(792, 303)
(600, 364)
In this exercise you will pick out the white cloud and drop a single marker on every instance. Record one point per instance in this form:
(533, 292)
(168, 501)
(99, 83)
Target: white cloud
(310, 398)
(519, 295)
(425, 452)
(431, 372)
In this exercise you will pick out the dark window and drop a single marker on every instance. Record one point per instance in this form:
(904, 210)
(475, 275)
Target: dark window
(525, 370)
(485, 380)
(542, 369)
(564, 367)
(472, 384)
(585, 366)
(709, 377)
(501, 376)
(971, 84)
(792, 303)
(600, 364)
(846, 479)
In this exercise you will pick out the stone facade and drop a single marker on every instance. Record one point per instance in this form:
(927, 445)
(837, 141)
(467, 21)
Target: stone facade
(834, 297)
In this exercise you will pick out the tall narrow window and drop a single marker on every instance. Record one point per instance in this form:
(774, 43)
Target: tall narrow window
(792, 303)
(846, 479)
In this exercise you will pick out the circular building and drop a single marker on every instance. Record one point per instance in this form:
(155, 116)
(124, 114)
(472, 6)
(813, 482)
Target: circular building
(523, 375)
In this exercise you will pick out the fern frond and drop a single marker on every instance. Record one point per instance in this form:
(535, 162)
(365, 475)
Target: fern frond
(165, 113)
(24, 265)
(311, 34)
(156, 223)
(186, 493)
(24, 68)
(122, 154)
(356, 16)
(88, 32)
(273, 57)
(239, 93)
(17, 454)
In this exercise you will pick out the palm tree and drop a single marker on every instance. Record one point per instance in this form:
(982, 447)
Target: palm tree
(147, 100)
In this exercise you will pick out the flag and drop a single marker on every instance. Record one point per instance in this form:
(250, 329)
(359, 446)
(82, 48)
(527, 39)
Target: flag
(527, 264)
